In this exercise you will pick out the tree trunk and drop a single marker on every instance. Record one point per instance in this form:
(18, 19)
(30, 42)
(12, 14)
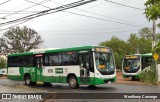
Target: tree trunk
(154, 34)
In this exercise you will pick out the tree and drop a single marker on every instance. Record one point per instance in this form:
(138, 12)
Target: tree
(152, 9)
(119, 47)
(20, 40)
(141, 42)
(152, 12)
(145, 33)
(137, 43)
(2, 62)
(133, 42)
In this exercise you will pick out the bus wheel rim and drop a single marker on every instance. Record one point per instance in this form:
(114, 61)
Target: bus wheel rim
(73, 82)
(28, 81)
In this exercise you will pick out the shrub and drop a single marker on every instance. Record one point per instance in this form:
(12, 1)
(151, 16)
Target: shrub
(149, 77)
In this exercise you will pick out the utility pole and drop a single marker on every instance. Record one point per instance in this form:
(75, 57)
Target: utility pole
(154, 34)
(153, 45)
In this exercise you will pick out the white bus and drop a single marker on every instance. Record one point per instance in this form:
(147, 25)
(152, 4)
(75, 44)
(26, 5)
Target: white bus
(133, 65)
(90, 65)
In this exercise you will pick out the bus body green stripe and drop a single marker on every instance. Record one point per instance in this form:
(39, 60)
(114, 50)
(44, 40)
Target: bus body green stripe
(53, 79)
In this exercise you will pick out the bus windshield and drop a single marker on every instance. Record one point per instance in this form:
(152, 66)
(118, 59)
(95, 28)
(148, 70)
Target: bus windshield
(131, 65)
(105, 62)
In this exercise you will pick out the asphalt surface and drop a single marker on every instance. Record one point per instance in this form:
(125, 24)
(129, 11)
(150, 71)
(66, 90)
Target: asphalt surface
(8, 86)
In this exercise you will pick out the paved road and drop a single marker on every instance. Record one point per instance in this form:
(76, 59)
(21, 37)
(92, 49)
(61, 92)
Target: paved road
(16, 86)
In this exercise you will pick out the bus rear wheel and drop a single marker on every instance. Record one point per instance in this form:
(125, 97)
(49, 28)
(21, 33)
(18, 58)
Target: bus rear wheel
(28, 81)
(73, 83)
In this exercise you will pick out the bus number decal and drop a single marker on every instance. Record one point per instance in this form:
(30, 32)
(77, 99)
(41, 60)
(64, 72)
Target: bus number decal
(50, 70)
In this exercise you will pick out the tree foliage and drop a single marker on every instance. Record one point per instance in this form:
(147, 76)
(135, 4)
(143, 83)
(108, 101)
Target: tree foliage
(136, 43)
(119, 47)
(152, 10)
(20, 40)
(2, 62)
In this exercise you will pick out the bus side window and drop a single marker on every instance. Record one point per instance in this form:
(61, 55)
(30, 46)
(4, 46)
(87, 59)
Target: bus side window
(54, 59)
(70, 58)
(46, 60)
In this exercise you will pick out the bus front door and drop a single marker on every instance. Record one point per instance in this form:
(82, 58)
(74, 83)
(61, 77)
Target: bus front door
(39, 65)
(84, 68)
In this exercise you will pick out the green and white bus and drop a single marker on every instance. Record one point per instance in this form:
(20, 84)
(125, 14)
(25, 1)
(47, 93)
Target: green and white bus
(133, 65)
(90, 65)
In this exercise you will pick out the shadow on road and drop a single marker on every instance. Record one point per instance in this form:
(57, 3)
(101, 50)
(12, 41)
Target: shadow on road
(62, 87)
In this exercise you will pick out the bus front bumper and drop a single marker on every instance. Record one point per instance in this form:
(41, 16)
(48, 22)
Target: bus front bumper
(104, 80)
(128, 76)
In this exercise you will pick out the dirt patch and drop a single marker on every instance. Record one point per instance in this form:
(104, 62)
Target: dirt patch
(3, 77)
(121, 80)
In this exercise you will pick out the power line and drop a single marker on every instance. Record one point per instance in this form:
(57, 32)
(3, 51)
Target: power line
(63, 8)
(98, 14)
(14, 25)
(104, 16)
(71, 14)
(133, 2)
(92, 33)
(45, 12)
(29, 12)
(87, 30)
(124, 5)
(44, 1)
(90, 16)
(4, 2)
(18, 12)
(37, 4)
(101, 19)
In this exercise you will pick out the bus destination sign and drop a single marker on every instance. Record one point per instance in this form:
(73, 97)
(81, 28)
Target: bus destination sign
(131, 57)
(102, 50)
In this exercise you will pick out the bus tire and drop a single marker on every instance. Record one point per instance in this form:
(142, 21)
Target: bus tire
(28, 81)
(73, 83)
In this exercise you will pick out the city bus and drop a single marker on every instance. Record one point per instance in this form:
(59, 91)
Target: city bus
(85, 65)
(133, 65)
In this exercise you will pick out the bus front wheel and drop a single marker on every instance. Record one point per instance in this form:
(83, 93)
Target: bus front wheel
(73, 83)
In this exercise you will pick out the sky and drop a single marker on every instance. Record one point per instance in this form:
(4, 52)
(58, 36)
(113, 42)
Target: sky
(90, 24)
